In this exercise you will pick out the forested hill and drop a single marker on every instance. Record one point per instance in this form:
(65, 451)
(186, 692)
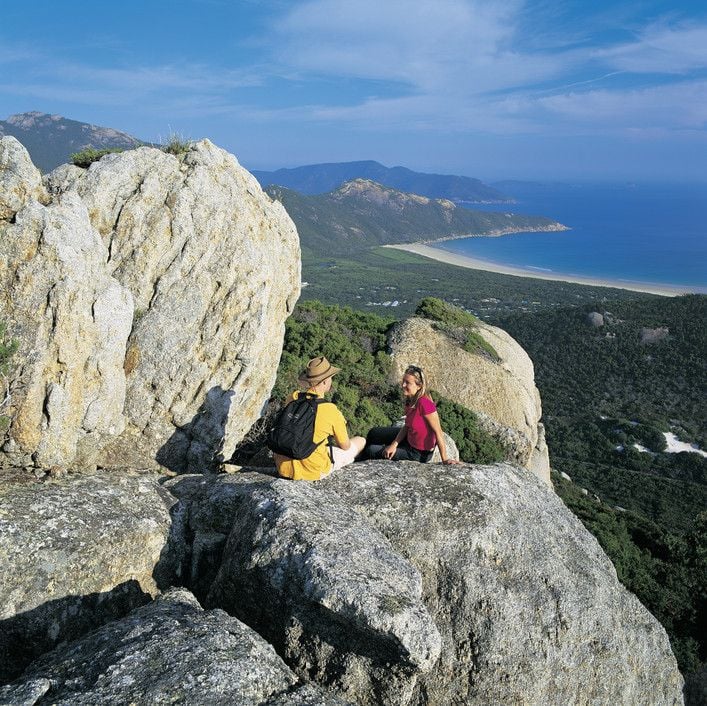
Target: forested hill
(321, 178)
(51, 139)
(612, 382)
(363, 213)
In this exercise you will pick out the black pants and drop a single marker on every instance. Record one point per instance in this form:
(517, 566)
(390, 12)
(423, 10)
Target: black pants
(379, 437)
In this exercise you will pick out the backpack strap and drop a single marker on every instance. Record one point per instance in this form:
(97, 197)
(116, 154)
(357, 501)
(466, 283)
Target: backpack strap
(315, 400)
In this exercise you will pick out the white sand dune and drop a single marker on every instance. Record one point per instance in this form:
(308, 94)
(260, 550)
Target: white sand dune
(675, 446)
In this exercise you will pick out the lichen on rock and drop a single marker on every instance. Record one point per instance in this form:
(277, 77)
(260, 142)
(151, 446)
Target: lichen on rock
(170, 651)
(78, 551)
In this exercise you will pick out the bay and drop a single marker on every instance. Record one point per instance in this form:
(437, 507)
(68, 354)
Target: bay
(635, 233)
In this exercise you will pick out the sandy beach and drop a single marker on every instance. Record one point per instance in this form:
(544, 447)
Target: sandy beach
(475, 264)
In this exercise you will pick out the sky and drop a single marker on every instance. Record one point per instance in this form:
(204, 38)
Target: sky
(537, 89)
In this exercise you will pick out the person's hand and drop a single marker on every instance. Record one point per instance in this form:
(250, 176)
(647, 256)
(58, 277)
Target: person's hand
(389, 451)
(450, 462)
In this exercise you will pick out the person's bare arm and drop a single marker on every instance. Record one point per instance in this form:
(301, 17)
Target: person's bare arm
(433, 420)
(341, 434)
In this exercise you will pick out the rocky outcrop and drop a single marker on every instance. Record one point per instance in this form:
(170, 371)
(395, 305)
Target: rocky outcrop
(595, 319)
(148, 297)
(170, 651)
(502, 393)
(78, 551)
(20, 180)
(404, 583)
(357, 625)
(654, 335)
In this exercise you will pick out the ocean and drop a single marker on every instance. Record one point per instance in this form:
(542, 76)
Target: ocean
(631, 233)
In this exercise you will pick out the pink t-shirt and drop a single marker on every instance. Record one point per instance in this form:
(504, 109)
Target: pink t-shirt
(420, 435)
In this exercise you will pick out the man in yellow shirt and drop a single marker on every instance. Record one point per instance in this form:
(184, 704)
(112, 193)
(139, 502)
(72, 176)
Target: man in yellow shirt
(328, 422)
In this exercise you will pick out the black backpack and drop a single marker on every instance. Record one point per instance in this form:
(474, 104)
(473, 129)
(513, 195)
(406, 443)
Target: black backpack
(292, 435)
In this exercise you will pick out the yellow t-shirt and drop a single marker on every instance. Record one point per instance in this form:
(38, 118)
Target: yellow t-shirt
(328, 422)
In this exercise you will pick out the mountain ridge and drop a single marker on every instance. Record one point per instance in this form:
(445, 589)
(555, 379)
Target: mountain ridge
(321, 178)
(362, 213)
(51, 139)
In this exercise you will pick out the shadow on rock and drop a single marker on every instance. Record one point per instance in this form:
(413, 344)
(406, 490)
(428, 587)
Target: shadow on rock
(26, 636)
(197, 447)
(207, 515)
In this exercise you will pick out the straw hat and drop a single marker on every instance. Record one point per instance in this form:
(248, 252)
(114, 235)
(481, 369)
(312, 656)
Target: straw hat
(318, 369)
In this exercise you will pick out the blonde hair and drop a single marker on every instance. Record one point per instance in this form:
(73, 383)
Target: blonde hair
(421, 380)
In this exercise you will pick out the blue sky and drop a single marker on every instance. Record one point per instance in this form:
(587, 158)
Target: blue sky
(542, 89)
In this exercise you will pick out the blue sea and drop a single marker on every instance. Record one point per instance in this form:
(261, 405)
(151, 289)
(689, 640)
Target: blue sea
(631, 233)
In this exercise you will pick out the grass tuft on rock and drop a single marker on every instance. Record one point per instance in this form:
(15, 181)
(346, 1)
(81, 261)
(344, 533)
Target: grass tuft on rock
(86, 157)
(177, 144)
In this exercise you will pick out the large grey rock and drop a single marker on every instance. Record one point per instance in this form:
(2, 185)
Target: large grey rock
(502, 393)
(654, 335)
(528, 607)
(595, 319)
(320, 583)
(168, 652)
(168, 279)
(79, 551)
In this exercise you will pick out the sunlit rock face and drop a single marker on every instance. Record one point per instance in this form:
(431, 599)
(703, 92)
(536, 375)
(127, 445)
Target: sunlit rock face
(148, 294)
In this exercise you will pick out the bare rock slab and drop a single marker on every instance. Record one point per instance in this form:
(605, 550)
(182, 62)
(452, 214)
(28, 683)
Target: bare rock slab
(528, 606)
(170, 651)
(412, 583)
(320, 583)
(78, 551)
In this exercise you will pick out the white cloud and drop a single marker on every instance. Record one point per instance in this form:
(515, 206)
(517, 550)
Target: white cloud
(175, 87)
(661, 50)
(681, 106)
(447, 45)
(442, 66)
(464, 65)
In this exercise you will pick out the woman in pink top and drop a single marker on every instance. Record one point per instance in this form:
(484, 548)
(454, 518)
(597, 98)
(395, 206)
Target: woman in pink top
(417, 438)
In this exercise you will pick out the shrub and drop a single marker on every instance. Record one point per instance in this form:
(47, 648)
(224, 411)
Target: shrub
(354, 342)
(86, 157)
(474, 444)
(458, 324)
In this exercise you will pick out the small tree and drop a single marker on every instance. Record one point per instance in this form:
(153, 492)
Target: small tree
(457, 324)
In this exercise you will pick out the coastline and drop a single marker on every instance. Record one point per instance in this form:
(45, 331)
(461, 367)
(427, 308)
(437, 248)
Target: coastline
(664, 290)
